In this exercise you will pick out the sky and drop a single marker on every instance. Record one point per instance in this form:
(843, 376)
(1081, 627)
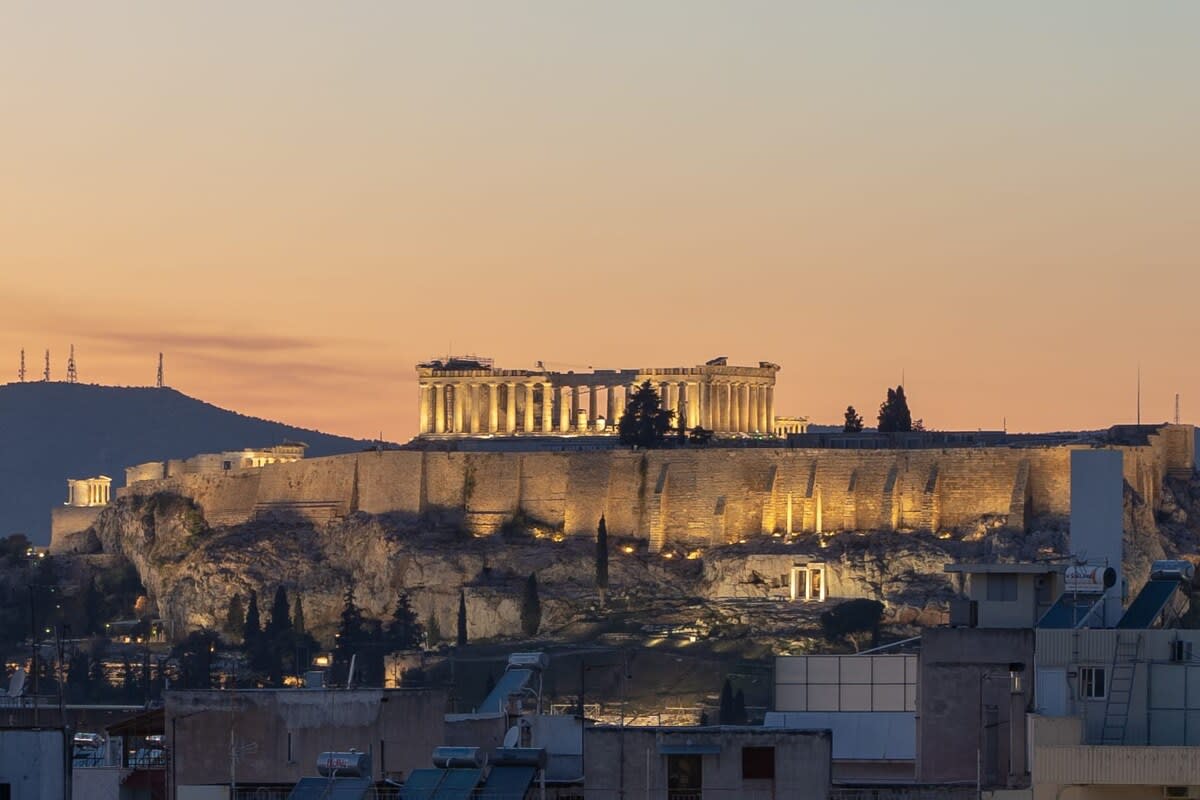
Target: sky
(298, 201)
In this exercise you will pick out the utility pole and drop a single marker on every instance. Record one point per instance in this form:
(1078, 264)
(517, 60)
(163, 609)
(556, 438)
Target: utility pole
(21, 371)
(72, 373)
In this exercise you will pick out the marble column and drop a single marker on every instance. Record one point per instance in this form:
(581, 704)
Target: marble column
(529, 407)
(510, 408)
(671, 401)
(547, 407)
(460, 398)
(593, 405)
(752, 424)
(564, 410)
(762, 411)
(706, 406)
(473, 421)
(722, 423)
(693, 404)
(612, 415)
(731, 407)
(493, 407)
(744, 408)
(439, 408)
(771, 408)
(423, 404)
(575, 402)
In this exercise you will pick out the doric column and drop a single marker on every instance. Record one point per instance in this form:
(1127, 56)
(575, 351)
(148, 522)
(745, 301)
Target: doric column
(752, 407)
(763, 423)
(547, 407)
(693, 404)
(439, 408)
(722, 407)
(706, 405)
(423, 408)
(575, 398)
(493, 407)
(510, 408)
(744, 408)
(593, 405)
(460, 398)
(564, 410)
(771, 408)
(529, 407)
(610, 417)
(671, 399)
(731, 407)
(474, 406)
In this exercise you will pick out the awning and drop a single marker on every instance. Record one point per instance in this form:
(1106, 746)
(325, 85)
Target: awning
(689, 749)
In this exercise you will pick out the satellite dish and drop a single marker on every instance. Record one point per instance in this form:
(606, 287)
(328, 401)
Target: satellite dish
(16, 684)
(512, 737)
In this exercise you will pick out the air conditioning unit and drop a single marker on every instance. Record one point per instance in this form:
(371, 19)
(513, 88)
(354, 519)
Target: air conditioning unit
(1181, 792)
(1181, 651)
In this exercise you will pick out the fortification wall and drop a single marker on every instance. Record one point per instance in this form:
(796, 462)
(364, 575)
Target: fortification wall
(703, 496)
(69, 528)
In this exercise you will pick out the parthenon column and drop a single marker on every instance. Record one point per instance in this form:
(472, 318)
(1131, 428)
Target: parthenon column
(459, 398)
(439, 408)
(693, 404)
(547, 407)
(423, 405)
(671, 400)
(752, 407)
(493, 407)
(706, 406)
(593, 405)
(771, 410)
(510, 408)
(474, 402)
(529, 407)
(564, 410)
(575, 398)
(722, 389)
(744, 408)
(610, 418)
(762, 411)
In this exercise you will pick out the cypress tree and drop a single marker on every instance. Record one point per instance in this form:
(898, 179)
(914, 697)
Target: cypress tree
(531, 608)
(433, 632)
(739, 708)
(235, 618)
(252, 630)
(462, 618)
(280, 620)
(298, 615)
(725, 713)
(602, 559)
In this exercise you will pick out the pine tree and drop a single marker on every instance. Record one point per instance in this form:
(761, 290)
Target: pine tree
(280, 621)
(462, 618)
(854, 421)
(351, 634)
(602, 559)
(298, 616)
(725, 712)
(433, 632)
(894, 416)
(645, 423)
(252, 630)
(404, 632)
(531, 608)
(235, 618)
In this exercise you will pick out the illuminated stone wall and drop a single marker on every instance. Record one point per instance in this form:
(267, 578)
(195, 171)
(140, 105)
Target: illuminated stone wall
(703, 496)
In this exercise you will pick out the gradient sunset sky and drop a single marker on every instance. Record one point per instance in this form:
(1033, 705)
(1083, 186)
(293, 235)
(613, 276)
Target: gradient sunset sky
(296, 202)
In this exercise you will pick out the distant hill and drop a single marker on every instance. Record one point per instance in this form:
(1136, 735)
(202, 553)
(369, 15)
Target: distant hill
(53, 431)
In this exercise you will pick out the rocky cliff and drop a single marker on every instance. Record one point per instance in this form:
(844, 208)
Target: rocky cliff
(193, 568)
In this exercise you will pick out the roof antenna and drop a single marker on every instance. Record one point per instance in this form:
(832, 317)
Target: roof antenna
(159, 383)
(1139, 393)
(46, 374)
(21, 371)
(72, 373)
(1177, 408)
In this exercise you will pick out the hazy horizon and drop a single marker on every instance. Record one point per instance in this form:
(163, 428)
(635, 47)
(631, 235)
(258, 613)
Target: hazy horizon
(297, 202)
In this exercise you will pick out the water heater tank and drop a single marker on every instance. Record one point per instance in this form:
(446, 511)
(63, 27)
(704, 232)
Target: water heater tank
(351, 764)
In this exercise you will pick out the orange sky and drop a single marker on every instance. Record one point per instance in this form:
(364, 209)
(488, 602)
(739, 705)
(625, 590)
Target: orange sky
(298, 201)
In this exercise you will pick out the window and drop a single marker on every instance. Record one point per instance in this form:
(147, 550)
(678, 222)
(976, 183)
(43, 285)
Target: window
(1002, 588)
(684, 776)
(758, 763)
(1091, 683)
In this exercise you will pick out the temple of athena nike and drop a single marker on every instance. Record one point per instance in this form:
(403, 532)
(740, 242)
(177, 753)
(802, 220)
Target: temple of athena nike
(469, 396)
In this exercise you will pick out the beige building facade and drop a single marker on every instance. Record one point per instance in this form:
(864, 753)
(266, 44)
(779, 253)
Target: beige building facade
(469, 396)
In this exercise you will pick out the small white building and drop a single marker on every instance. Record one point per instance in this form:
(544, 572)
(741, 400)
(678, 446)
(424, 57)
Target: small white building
(89, 492)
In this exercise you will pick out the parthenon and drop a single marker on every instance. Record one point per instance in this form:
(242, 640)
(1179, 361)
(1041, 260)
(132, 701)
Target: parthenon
(469, 396)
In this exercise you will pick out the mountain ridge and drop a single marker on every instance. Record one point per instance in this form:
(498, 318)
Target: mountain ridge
(52, 431)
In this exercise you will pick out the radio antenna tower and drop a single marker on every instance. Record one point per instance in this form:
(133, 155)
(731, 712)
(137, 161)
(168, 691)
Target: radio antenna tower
(1177, 408)
(1139, 394)
(72, 373)
(21, 371)
(160, 372)
(46, 374)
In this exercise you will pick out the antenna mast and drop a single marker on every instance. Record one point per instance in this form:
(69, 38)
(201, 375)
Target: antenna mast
(21, 371)
(1139, 394)
(1177, 408)
(46, 374)
(72, 373)
(160, 371)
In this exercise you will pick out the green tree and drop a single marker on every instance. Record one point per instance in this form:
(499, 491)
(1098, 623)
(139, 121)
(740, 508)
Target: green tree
(195, 657)
(252, 629)
(854, 421)
(298, 616)
(433, 631)
(531, 607)
(235, 617)
(461, 639)
(352, 634)
(602, 559)
(853, 621)
(404, 631)
(700, 436)
(739, 708)
(645, 422)
(280, 619)
(725, 711)
(894, 416)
